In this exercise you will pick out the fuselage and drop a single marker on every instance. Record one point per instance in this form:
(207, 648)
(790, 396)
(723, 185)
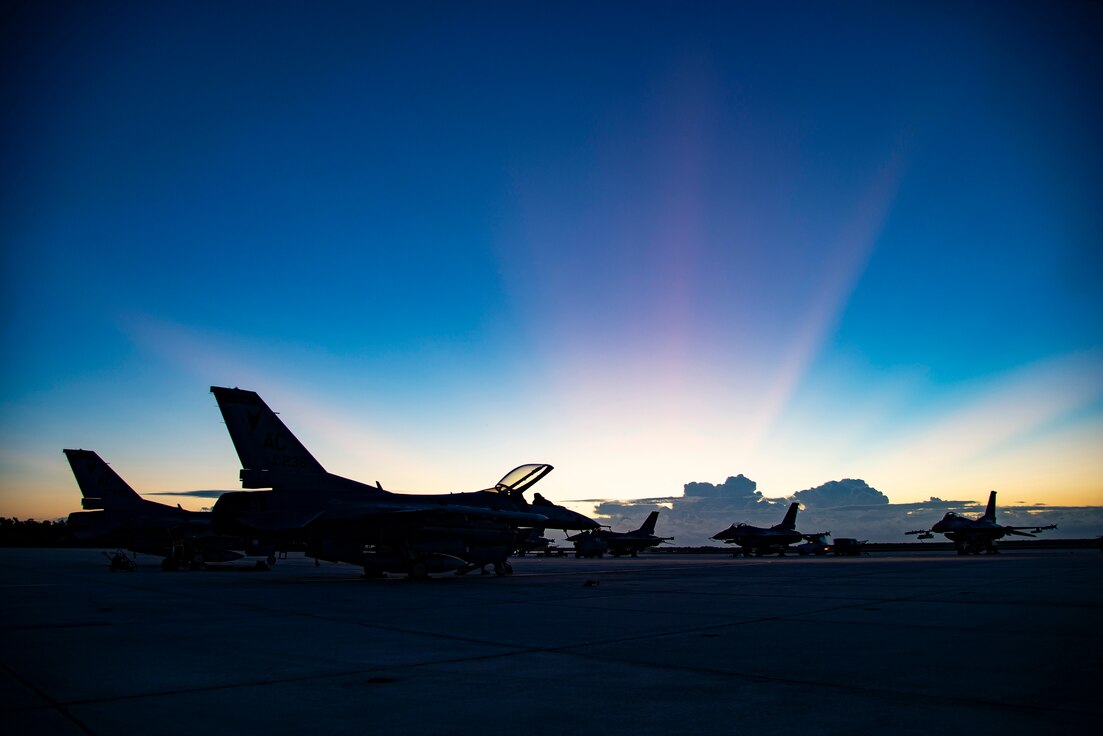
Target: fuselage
(755, 537)
(338, 499)
(618, 543)
(958, 528)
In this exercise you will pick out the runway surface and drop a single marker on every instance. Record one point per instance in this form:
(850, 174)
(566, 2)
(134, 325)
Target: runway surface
(907, 644)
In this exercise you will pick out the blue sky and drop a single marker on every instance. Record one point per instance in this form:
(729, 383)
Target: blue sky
(649, 243)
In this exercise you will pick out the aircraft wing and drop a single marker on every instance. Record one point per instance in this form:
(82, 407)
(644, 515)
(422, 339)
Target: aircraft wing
(468, 512)
(277, 520)
(1018, 530)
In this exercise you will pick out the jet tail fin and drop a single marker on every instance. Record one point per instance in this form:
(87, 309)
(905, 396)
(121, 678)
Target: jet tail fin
(790, 520)
(262, 441)
(990, 509)
(649, 524)
(101, 487)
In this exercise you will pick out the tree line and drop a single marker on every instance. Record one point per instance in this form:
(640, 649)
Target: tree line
(31, 533)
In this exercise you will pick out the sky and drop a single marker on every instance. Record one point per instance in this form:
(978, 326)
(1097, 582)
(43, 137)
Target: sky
(648, 243)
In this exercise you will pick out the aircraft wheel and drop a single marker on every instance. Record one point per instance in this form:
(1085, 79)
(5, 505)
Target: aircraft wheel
(418, 570)
(635, 555)
(168, 564)
(271, 560)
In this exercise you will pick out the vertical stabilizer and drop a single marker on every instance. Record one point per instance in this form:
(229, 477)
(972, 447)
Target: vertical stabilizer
(990, 509)
(790, 520)
(649, 524)
(262, 441)
(101, 486)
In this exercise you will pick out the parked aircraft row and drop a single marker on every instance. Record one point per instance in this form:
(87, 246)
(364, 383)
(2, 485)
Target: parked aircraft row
(342, 520)
(970, 536)
(336, 518)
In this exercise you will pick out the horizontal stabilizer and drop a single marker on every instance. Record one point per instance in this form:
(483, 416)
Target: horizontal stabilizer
(92, 524)
(192, 494)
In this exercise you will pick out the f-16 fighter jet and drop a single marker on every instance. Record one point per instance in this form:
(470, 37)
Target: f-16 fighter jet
(118, 515)
(343, 520)
(973, 536)
(760, 541)
(596, 542)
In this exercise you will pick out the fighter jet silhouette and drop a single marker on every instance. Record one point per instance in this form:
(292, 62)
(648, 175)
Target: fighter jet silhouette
(116, 514)
(343, 520)
(760, 541)
(973, 536)
(596, 542)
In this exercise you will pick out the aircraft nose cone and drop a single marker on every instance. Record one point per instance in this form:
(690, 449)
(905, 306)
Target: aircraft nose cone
(563, 518)
(575, 520)
(584, 522)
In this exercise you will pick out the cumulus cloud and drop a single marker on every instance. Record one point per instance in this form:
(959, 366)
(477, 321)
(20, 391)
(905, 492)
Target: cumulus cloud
(702, 510)
(737, 489)
(846, 492)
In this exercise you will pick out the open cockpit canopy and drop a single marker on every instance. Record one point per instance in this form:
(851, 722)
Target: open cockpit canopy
(522, 478)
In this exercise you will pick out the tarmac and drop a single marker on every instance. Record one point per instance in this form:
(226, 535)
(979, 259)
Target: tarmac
(902, 643)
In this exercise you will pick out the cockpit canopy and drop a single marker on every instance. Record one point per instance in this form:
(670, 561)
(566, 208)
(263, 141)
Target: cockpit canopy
(522, 478)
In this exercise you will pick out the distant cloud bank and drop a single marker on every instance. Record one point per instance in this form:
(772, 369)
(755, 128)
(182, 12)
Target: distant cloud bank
(845, 508)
